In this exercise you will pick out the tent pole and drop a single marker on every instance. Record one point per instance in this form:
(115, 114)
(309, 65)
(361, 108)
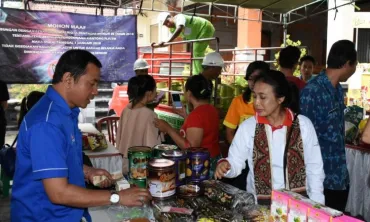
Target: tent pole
(285, 27)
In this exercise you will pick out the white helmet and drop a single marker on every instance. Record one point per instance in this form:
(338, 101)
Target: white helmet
(162, 17)
(213, 59)
(141, 64)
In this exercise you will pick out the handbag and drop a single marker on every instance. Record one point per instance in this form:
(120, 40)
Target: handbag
(7, 158)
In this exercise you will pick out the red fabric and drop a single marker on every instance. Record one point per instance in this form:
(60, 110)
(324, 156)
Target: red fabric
(205, 117)
(297, 81)
(288, 120)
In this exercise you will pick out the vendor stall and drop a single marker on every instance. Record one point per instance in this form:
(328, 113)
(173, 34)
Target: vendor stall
(215, 201)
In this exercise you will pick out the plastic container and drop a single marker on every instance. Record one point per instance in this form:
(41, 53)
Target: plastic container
(162, 178)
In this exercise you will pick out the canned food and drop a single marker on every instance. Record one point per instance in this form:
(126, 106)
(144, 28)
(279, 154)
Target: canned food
(141, 183)
(179, 157)
(138, 157)
(197, 164)
(160, 148)
(161, 178)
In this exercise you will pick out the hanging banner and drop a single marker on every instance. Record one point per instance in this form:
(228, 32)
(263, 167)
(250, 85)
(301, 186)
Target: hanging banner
(361, 20)
(32, 42)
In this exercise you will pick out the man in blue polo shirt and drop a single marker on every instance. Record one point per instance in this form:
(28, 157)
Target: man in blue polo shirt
(49, 182)
(322, 101)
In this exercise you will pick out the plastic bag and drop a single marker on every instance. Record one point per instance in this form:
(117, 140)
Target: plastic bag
(7, 160)
(227, 195)
(255, 213)
(121, 213)
(352, 118)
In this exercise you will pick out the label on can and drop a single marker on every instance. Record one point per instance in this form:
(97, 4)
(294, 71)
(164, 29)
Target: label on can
(141, 183)
(162, 184)
(198, 164)
(138, 161)
(180, 164)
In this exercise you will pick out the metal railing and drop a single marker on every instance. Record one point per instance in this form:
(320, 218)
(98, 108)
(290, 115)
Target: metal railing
(170, 77)
(231, 65)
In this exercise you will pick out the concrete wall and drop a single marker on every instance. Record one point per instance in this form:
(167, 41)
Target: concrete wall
(342, 26)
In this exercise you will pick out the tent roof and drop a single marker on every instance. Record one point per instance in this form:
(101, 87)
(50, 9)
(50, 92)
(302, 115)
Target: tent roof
(275, 6)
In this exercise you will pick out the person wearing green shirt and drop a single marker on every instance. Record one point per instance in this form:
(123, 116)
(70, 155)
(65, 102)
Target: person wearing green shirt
(188, 28)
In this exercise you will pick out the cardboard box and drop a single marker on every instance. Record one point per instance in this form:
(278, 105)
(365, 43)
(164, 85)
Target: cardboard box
(298, 211)
(279, 206)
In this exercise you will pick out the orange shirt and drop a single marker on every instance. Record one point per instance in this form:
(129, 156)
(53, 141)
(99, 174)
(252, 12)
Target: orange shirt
(238, 112)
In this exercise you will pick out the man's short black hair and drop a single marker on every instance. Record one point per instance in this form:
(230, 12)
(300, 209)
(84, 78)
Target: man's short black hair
(307, 58)
(341, 52)
(75, 62)
(289, 56)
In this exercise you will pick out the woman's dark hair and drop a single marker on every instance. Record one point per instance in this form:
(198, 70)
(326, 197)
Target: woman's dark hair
(27, 103)
(252, 67)
(200, 87)
(282, 88)
(75, 62)
(307, 58)
(138, 86)
(341, 52)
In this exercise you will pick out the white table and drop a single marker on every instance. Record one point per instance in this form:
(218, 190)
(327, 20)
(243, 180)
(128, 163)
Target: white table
(358, 164)
(108, 159)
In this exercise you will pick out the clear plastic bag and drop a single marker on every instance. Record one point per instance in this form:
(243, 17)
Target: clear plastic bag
(255, 213)
(121, 213)
(227, 195)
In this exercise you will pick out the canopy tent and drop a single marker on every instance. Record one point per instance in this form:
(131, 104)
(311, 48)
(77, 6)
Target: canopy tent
(276, 10)
(274, 6)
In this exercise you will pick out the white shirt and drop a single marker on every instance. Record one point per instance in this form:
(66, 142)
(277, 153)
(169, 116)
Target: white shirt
(242, 149)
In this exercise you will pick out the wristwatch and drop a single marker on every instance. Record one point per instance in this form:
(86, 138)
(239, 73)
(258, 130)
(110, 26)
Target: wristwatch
(114, 197)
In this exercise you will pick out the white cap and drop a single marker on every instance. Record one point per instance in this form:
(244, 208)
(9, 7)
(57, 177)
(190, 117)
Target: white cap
(162, 17)
(213, 59)
(141, 64)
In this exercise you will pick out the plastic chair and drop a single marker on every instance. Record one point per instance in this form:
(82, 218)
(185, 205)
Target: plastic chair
(111, 123)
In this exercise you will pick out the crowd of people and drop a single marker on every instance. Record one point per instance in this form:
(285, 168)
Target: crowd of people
(284, 131)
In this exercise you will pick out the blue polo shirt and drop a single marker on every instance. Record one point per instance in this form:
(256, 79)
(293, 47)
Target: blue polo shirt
(49, 146)
(324, 105)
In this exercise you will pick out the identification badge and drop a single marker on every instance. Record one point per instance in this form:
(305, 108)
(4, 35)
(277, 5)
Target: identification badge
(187, 31)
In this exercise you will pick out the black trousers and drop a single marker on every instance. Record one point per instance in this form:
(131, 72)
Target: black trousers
(2, 134)
(336, 199)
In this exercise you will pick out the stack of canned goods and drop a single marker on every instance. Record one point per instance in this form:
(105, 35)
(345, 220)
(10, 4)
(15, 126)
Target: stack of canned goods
(165, 168)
